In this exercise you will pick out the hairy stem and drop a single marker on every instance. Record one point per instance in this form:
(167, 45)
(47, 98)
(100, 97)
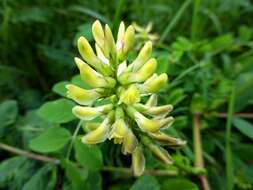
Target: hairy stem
(242, 115)
(28, 154)
(199, 161)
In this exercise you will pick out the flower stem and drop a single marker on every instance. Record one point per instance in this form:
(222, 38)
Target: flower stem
(73, 139)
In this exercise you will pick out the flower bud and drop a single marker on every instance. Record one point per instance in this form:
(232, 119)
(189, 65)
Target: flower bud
(119, 114)
(109, 46)
(156, 111)
(147, 70)
(119, 131)
(141, 75)
(101, 55)
(159, 111)
(89, 56)
(121, 67)
(82, 96)
(98, 33)
(128, 39)
(130, 142)
(98, 135)
(149, 125)
(165, 139)
(120, 41)
(89, 113)
(154, 85)
(142, 57)
(138, 161)
(119, 128)
(160, 153)
(120, 36)
(92, 126)
(93, 78)
(152, 101)
(130, 95)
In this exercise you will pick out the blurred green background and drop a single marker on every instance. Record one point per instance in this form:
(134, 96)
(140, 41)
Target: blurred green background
(205, 47)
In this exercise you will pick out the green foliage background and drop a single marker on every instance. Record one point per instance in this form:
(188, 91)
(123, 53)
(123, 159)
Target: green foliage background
(206, 49)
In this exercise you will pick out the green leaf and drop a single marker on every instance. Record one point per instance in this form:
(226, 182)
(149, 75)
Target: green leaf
(163, 62)
(244, 127)
(40, 180)
(245, 33)
(8, 112)
(22, 175)
(31, 125)
(94, 180)
(9, 168)
(244, 93)
(147, 183)
(179, 183)
(51, 140)
(90, 157)
(60, 88)
(76, 175)
(223, 41)
(182, 44)
(58, 111)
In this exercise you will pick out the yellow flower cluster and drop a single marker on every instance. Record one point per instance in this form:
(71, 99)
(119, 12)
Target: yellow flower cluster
(126, 120)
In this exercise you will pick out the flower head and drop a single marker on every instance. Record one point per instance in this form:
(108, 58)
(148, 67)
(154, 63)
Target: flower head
(126, 120)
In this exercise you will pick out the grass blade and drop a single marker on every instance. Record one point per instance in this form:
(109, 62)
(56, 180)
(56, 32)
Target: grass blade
(195, 19)
(228, 151)
(174, 20)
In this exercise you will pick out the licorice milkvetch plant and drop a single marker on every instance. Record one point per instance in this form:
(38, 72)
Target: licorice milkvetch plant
(126, 119)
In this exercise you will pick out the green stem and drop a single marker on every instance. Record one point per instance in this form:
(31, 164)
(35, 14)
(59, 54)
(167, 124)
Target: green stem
(55, 161)
(73, 139)
(199, 163)
(198, 153)
(229, 161)
(175, 20)
(28, 154)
